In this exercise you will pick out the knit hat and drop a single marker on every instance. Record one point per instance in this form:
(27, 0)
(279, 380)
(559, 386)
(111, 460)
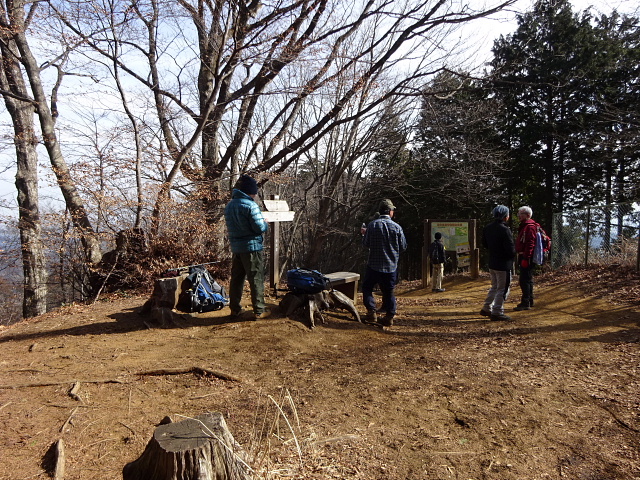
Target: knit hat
(438, 235)
(500, 212)
(247, 185)
(386, 205)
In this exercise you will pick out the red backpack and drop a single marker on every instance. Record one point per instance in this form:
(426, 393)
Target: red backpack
(546, 239)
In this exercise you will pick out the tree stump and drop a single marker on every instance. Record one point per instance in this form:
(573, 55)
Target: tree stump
(200, 448)
(164, 299)
(309, 307)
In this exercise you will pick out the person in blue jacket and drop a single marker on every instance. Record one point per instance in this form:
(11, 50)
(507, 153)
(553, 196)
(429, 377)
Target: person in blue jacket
(245, 227)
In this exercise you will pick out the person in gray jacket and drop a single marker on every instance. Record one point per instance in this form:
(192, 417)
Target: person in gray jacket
(245, 227)
(497, 237)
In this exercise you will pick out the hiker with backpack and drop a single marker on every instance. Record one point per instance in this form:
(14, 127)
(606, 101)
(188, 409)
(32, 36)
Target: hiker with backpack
(246, 227)
(498, 239)
(438, 257)
(525, 245)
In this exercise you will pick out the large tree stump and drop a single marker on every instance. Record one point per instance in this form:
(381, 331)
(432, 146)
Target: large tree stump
(164, 299)
(309, 307)
(200, 448)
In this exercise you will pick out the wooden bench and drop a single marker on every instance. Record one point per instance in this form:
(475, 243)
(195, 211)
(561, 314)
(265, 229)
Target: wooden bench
(345, 282)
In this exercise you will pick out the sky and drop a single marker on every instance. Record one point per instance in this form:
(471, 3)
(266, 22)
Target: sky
(479, 37)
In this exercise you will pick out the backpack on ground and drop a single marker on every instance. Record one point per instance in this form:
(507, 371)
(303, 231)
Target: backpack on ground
(202, 293)
(542, 246)
(301, 280)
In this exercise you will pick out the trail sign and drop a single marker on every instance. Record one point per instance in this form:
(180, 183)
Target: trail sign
(276, 211)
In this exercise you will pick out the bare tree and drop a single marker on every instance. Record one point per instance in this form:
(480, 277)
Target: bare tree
(234, 86)
(21, 110)
(15, 19)
(259, 68)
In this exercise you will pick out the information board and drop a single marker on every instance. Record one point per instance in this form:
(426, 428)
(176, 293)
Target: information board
(455, 236)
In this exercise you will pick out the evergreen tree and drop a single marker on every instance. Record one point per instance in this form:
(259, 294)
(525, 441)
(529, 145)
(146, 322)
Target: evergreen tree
(539, 75)
(457, 167)
(615, 105)
(569, 92)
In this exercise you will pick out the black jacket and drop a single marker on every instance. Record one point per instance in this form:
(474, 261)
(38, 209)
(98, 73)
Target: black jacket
(436, 252)
(498, 239)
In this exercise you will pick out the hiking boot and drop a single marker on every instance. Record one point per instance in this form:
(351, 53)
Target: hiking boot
(439, 290)
(522, 306)
(500, 318)
(238, 313)
(371, 316)
(263, 314)
(484, 313)
(387, 320)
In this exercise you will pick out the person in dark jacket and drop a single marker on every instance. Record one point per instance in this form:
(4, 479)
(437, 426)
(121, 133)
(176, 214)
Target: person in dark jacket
(525, 244)
(498, 239)
(437, 255)
(245, 227)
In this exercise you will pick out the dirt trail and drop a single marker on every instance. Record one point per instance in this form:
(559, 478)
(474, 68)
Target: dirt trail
(443, 394)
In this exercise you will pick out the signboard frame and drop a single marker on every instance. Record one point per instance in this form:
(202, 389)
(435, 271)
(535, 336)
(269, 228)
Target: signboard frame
(459, 236)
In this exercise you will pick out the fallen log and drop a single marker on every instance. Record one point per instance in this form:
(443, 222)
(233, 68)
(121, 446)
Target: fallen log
(200, 448)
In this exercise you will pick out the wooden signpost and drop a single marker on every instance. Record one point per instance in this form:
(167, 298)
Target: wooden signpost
(276, 211)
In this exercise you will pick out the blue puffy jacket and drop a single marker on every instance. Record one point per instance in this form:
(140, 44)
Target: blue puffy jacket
(245, 223)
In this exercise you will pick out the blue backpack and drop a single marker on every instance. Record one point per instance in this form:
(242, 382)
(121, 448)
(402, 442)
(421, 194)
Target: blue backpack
(542, 246)
(301, 280)
(203, 293)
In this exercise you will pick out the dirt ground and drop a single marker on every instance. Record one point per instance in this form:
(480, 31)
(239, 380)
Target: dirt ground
(443, 394)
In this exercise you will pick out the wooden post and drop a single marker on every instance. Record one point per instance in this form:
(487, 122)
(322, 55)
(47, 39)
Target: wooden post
(426, 261)
(276, 211)
(588, 239)
(638, 253)
(474, 268)
(274, 260)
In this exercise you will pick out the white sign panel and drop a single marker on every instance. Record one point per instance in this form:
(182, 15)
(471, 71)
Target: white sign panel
(276, 205)
(278, 216)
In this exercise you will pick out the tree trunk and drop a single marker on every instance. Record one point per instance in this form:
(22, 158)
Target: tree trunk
(21, 111)
(200, 448)
(47, 118)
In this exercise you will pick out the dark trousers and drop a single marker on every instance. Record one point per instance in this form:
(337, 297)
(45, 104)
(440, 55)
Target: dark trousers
(247, 266)
(526, 285)
(387, 283)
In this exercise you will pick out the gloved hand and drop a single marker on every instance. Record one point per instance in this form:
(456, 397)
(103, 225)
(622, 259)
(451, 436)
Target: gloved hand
(524, 263)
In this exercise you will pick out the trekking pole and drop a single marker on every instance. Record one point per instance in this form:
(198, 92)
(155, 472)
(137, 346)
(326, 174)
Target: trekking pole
(175, 272)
